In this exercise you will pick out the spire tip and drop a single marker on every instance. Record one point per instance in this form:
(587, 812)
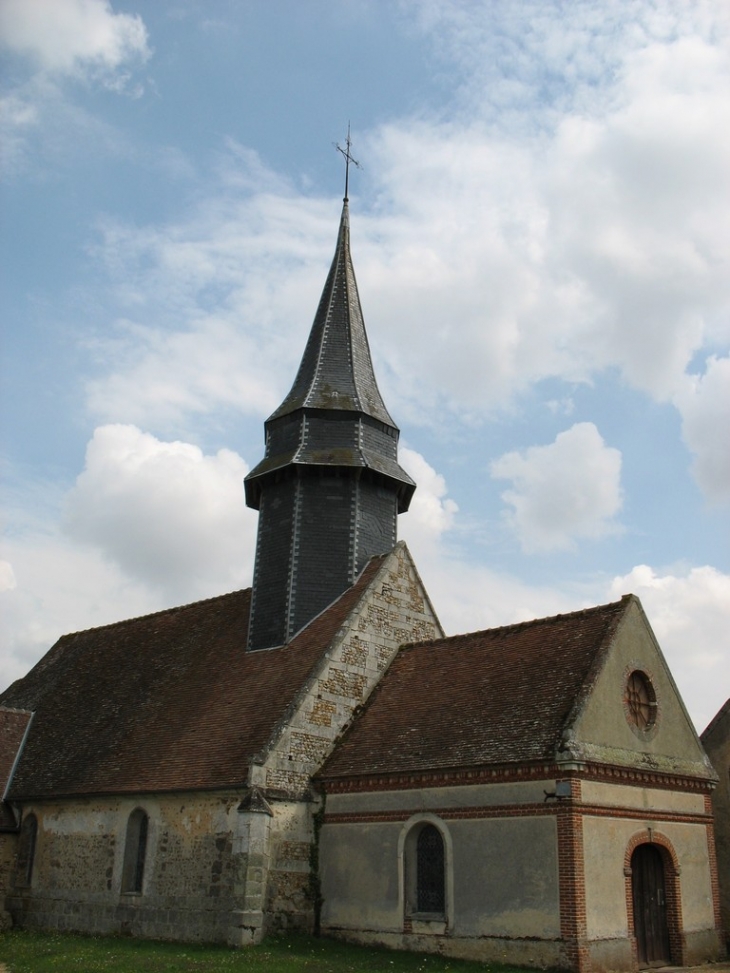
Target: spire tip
(349, 158)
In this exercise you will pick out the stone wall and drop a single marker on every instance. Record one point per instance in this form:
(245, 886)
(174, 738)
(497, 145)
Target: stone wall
(394, 609)
(188, 881)
(8, 848)
(219, 868)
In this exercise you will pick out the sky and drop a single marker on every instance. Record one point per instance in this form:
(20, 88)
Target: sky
(539, 233)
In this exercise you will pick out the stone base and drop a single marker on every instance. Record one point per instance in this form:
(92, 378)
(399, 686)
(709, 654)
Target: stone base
(247, 928)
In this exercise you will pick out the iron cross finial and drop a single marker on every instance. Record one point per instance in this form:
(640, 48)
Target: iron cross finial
(349, 158)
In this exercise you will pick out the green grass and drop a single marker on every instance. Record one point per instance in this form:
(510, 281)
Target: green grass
(30, 952)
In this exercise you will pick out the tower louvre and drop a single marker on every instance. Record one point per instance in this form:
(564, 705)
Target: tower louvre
(329, 487)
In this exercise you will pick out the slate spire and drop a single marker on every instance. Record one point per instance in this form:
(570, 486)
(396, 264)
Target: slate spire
(329, 487)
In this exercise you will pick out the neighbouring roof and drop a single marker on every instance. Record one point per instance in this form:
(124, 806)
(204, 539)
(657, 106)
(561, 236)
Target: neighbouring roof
(170, 701)
(499, 696)
(718, 727)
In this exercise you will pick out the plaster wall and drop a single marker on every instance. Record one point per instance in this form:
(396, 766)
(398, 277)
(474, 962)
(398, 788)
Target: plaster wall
(601, 731)
(360, 877)
(605, 841)
(643, 798)
(418, 799)
(501, 872)
(506, 877)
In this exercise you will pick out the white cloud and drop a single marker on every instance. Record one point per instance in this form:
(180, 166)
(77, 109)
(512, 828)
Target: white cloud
(704, 403)
(164, 512)
(431, 513)
(64, 39)
(216, 308)
(73, 36)
(523, 253)
(60, 587)
(566, 491)
(690, 615)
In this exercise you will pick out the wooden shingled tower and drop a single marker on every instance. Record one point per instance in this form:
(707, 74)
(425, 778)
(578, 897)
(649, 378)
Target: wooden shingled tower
(329, 487)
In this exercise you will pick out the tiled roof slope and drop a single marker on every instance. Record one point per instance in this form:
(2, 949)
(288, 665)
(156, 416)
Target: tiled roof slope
(170, 701)
(494, 697)
(13, 724)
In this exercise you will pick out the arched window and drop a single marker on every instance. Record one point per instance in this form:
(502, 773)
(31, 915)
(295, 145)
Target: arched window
(135, 850)
(430, 874)
(26, 850)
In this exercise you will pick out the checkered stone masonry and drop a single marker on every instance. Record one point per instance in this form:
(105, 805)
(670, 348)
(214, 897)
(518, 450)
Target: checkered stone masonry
(394, 609)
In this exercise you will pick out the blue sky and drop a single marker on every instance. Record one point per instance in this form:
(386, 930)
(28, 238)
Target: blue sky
(539, 231)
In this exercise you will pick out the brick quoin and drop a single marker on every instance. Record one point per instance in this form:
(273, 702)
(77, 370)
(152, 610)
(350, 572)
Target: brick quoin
(571, 878)
(714, 874)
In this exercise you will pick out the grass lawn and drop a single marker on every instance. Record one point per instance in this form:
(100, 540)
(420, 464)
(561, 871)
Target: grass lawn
(26, 952)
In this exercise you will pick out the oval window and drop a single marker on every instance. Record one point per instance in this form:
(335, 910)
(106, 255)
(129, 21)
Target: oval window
(640, 700)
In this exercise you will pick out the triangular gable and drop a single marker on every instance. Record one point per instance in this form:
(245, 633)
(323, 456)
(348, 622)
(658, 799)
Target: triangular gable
(629, 711)
(392, 608)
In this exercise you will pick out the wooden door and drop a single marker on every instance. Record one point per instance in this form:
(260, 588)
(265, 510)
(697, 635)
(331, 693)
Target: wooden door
(650, 906)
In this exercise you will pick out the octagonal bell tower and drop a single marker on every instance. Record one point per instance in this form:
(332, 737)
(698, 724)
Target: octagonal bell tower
(329, 487)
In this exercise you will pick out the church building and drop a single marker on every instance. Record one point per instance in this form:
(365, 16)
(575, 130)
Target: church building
(315, 754)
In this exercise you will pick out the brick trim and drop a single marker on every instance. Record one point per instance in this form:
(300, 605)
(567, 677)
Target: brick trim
(677, 942)
(447, 813)
(571, 881)
(714, 873)
(509, 774)
(517, 810)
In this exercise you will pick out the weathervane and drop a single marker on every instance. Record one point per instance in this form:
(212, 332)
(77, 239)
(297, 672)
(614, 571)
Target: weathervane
(348, 159)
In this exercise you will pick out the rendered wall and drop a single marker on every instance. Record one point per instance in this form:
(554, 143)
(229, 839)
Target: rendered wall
(675, 822)
(506, 882)
(503, 895)
(602, 732)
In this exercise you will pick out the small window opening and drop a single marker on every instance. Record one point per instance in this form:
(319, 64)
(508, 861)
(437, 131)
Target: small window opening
(135, 850)
(26, 850)
(430, 896)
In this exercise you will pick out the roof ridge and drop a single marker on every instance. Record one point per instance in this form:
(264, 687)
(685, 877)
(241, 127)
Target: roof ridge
(514, 626)
(162, 611)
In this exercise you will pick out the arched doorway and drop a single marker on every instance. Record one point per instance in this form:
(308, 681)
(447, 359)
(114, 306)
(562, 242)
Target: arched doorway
(650, 906)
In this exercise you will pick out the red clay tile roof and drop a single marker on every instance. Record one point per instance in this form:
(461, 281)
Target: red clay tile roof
(495, 697)
(13, 727)
(13, 724)
(170, 701)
